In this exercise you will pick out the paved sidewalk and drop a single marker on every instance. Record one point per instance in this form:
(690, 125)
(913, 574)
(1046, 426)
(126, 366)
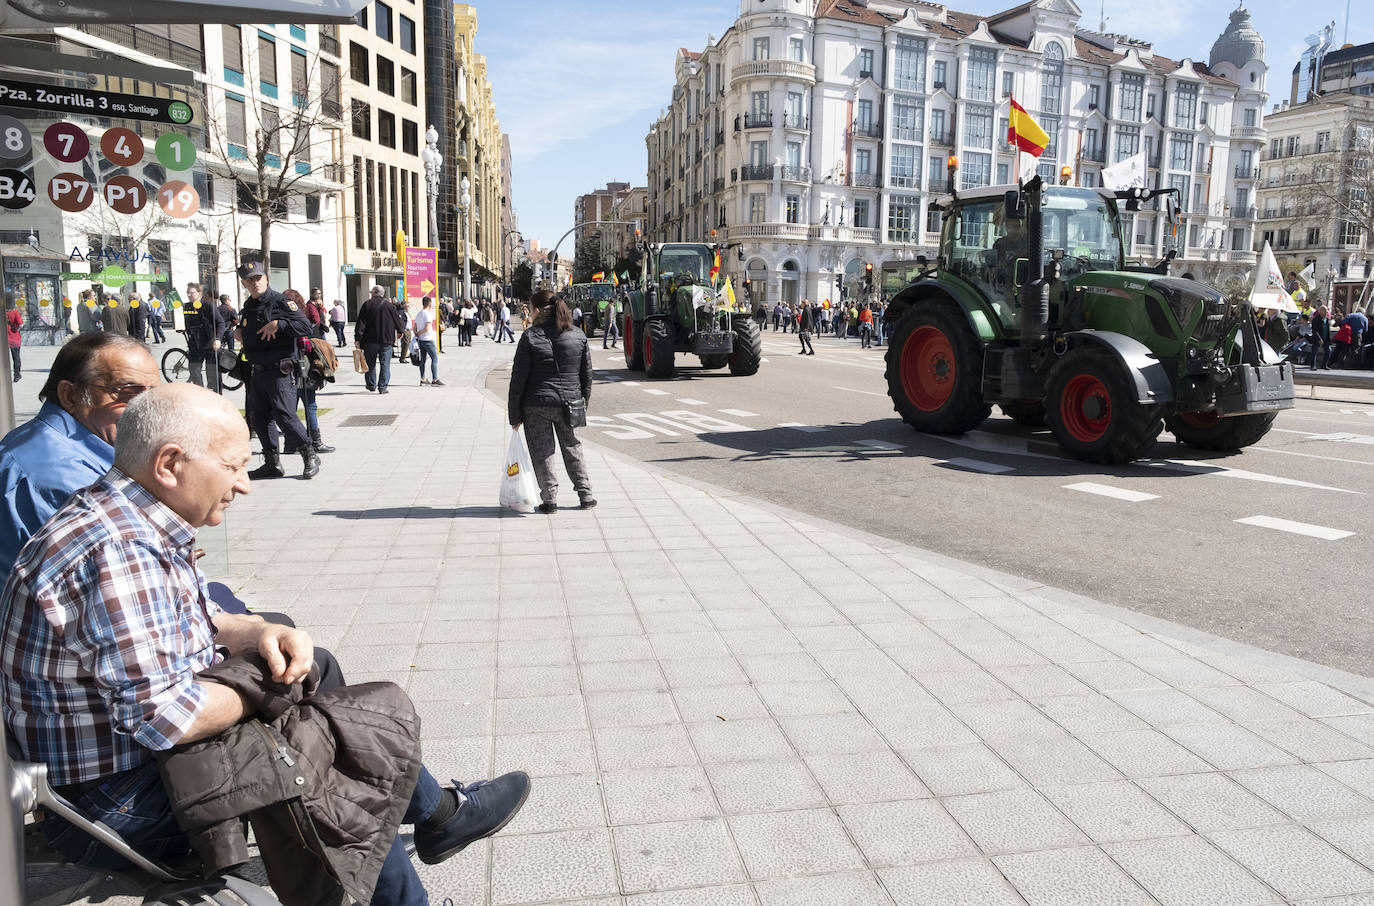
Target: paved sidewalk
(726, 703)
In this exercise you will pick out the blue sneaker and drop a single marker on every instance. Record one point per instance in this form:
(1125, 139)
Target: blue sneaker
(490, 806)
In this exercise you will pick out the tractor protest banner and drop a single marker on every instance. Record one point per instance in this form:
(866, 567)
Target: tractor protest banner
(422, 273)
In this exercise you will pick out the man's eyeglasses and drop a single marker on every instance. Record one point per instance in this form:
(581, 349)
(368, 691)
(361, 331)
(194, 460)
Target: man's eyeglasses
(122, 392)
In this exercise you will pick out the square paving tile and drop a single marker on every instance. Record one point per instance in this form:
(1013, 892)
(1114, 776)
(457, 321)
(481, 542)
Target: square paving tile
(1354, 837)
(961, 882)
(540, 714)
(631, 709)
(621, 676)
(1082, 876)
(732, 895)
(1312, 740)
(1304, 792)
(905, 832)
(961, 769)
(560, 803)
(1358, 775)
(702, 703)
(1013, 821)
(830, 734)
(1054, 759)
(1294, 862)
(544, 754)
(788, 844)
(738, 740)
(1144, 753)
(1090, 713)
(681, 854)
(1211, 802)
(852, 777)
(1189, 871)
(660, 746)
(710, 671)
(1114, 812)
(658, 794)
(797, 699)
(1166, 707)
(536, 867)
(1229, 747)
(765, 786)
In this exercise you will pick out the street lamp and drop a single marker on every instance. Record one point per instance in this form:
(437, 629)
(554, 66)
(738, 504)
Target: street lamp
(509, 248)
(433, 160)
(1331, 287)
(465, 204)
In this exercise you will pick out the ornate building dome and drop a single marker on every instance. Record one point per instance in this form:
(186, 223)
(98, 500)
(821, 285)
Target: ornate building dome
(1239, 44)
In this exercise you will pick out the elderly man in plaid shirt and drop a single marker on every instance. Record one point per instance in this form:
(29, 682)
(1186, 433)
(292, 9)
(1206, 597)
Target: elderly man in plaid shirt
(105, 622)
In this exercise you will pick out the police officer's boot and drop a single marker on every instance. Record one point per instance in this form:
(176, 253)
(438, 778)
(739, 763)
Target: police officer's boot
(311, 460)
(319, 445)
(270, 468)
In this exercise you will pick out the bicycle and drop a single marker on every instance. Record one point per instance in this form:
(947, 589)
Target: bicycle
(176, 366)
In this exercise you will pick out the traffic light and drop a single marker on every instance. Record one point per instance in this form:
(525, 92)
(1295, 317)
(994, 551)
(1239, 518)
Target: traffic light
(748, 288)
(839, 284)
(868, 278)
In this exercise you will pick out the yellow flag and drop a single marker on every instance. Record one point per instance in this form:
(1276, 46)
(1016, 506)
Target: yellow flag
(401, 245)
(729, 292)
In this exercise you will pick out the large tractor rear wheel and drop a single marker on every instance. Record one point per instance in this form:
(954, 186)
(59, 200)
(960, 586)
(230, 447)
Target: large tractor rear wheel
(935, 371)
(634, 353)
(1093, 411)
(1209, 431)
(658, 349)
(747, 352)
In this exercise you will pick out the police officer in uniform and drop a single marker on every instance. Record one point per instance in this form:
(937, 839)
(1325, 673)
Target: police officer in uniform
(269, 326)
(203, 330)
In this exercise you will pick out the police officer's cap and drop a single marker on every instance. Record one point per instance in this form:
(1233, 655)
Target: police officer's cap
(251, 269)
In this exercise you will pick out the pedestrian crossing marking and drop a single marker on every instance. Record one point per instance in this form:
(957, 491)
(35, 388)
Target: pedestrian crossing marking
(740, 413)
(654, 391)
(798, 426)
(1296, 528)
(1104, 490)
(881, 444)
(687, 402)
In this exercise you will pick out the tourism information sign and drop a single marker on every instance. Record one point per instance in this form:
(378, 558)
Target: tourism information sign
(422, 273)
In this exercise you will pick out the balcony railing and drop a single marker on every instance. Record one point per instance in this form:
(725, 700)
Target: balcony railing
(795, 122)
(756, 171)
(865, 181)
(796, 174)
(756, 120)
(865, 73)
(869, 130)
(131, 37)
(1095, 155)
(904, 181)
(945, 137)
(795, 231)
(906, 134)
(1250, 173)
(787, 69)
(1250, 133)
(1205, 167)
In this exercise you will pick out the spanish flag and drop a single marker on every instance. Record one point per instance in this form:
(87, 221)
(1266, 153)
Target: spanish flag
(598, 276)
(715, 268)
(1025, 133)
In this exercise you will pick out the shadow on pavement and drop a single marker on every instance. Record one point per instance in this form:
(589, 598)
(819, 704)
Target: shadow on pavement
(419, 512)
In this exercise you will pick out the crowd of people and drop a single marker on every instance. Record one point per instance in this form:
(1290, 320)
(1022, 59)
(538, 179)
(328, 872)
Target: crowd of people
(842, 320)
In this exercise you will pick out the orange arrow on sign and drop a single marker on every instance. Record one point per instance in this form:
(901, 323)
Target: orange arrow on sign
(426, 287)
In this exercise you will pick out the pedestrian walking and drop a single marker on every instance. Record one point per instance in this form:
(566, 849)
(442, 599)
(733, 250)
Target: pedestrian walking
(1321, 338)
(315, 311)
(826, 314)
(307, 383)
(841, 318)
(806, 321)
(550, 378)
(88, 313)
(338, 319)
(269, 327)
(865, 327)
(503, 324)
(777, 316)
(407, 329)
(203, 331)
(611, 329)
(138, 318)
(14, 319)
(467, 322)
(427, 334)
(375, 332)
(228, 319)
(157, 308)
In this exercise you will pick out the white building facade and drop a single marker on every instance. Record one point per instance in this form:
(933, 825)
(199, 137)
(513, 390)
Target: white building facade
(818, 133)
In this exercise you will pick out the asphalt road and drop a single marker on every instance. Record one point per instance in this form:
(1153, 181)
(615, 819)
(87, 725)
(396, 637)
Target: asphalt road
(1165, 536)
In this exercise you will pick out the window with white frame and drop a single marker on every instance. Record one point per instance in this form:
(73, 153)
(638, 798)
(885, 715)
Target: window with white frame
(864, 119)
(796, 50)
(762, 48)
(793, 208)
(861, 213)
(909, 65)
(758, 154)
(977, 170)
(1247, 117)
(1051, 126)
(903, 171)
(1180, 153)
(1094, 97)
(935, 171)
(1185, 106)
(795, 100)
(903, 213)
(1127, 142)
(794, 154)
(1007, 78)
(941, 74)
(1128, 99)
(980, 78)
(863, 162)
(1052, 78)
(758, 104)
(978, 127)
(908, 119)
(758, 207)
(937, 126)
(865, 62)
(1003, 174)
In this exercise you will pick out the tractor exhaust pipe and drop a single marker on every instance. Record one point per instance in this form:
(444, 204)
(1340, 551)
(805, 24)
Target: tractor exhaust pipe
(1035, 295)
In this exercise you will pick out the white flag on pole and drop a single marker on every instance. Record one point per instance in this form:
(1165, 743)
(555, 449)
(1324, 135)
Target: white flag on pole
(1269, 291)
(1126, 174)
(1308, 274)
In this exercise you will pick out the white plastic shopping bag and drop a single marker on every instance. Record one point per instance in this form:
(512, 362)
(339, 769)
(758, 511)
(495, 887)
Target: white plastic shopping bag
(519, 491)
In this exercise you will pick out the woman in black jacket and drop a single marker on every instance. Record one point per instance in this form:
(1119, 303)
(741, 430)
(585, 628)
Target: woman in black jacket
(552, 375)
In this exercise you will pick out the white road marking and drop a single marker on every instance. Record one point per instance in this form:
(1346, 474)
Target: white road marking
(882, 445)
(631, 383)
(687, 402)
(1203, 468)
(857, 390)
(1347, 411)
(764, 360)
(1296, 528)
(740, 413)
(1356, 462)
(798, 426)
(654, 391)
(978, 465)
(1105, 490)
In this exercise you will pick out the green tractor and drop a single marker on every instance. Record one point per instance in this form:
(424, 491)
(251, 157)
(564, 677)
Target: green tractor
(680, 309)
(593, 299)
(1031, 306)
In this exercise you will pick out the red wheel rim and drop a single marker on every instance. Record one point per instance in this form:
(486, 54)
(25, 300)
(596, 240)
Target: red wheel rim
(927, 368)
(629, 340)
(1086, 408)
(1200, 419)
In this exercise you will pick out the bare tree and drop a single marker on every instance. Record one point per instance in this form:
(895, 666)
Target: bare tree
(277, 154)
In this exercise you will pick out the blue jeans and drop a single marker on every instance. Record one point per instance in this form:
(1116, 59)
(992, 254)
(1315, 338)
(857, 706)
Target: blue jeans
(429, 352)
(155, 322)
(372, 352)
(134, 805)
(312, 414)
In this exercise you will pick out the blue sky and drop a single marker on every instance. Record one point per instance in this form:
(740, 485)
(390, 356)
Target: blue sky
(577, 83)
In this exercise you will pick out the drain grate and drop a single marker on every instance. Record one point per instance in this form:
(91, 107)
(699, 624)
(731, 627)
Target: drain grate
(367, 421)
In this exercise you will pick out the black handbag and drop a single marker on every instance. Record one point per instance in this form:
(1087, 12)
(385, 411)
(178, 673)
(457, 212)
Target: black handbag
(577, 413)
